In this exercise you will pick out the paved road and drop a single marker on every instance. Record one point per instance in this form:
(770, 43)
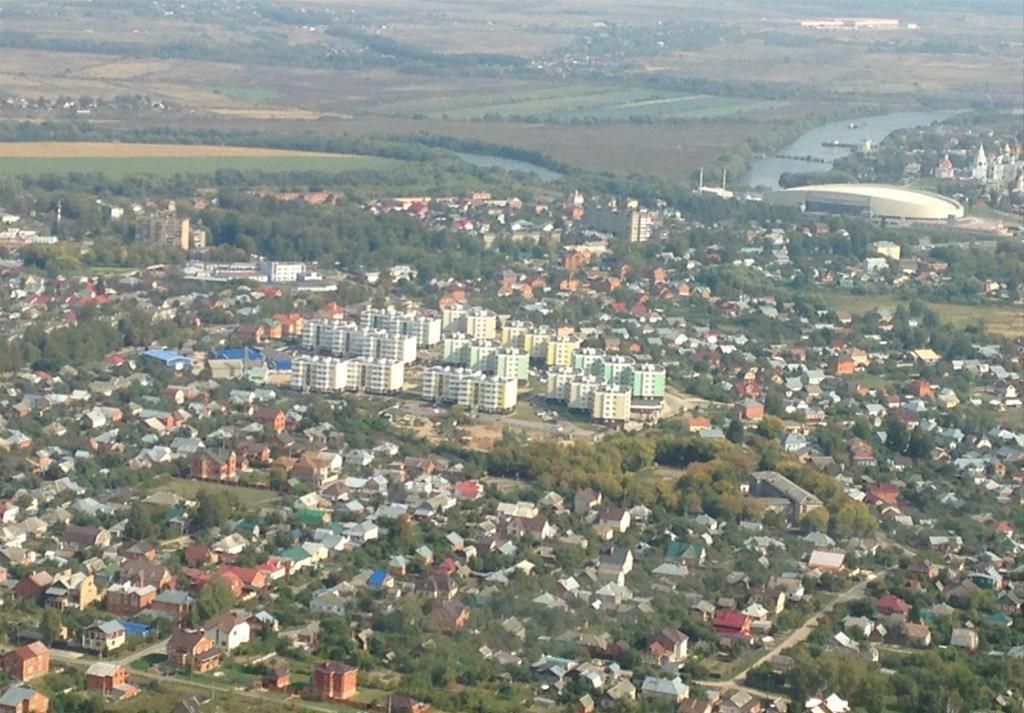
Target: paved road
(77, 658)
(795, 637)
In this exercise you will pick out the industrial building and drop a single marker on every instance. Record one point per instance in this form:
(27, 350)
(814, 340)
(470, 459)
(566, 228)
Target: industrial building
(870, 200)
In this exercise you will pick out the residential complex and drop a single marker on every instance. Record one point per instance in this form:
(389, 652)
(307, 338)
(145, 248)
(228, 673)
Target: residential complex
(327, 374)
(341, 338)
(469, 388)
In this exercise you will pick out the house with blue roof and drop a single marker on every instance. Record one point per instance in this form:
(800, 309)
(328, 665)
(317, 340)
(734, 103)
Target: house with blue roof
(380, 579)
(169, 358)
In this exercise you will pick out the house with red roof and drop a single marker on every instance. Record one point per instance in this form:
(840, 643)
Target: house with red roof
(731, 624)
(892, 605)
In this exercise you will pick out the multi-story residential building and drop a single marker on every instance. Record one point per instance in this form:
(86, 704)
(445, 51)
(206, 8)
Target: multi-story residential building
(455, 348)
(470, 389)
(559, 381)
(382, 376)
(481, 323)
(328, 374)
(613, 368)
(477, 322)
(342, 338)
(582, 390)
(426, 328)
(513, 332)
(511, 363)
(164, 227)
(612, 403)
(648, 381)
(586, 358)
(560, 350)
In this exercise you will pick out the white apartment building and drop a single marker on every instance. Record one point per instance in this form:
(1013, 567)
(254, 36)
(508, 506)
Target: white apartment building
(426, 328)
(469, 388)
(277, 271)
(327, 374)
(343, 338)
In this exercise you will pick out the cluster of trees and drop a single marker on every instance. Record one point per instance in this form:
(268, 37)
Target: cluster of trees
(90, 340)
(946, 680)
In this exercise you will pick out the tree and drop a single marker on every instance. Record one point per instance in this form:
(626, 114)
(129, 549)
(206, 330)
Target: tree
(215, 598)
(735, 431)
(816, 520)
(895, 435)
(214, 509)
(142, 522)
(50, 625)
(920, 444)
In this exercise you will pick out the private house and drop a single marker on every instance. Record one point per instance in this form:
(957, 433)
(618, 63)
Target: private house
(22, 699)
(731, 624)
(128, 600)
(277, 677)
(110, 679)
(667, 648)
(27, 662)
(188, 648)
(228, 631)
(335, 681)
(404, 704)
(672, 690)
(81, 537)
(173, 604)
(449, 616)
(271, 417)
(103, 637)
(826, 561)
(145, 573)
(749, 410)
(891, 605)
(917, 635)
(964, 638)
(214, 465)
(75, 591)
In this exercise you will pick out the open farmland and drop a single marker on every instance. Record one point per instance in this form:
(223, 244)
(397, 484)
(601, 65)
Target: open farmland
(576, 102)
(119, 160)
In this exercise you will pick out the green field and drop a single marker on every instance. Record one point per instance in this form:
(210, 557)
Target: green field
(248, 94)
(248, 498)
(166, 166)
(577, 102)
(1005, 320)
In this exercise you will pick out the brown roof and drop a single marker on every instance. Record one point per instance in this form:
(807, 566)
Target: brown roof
(30, 651)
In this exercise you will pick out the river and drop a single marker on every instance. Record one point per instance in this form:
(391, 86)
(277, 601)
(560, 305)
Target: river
(508, 164)
(766, 171)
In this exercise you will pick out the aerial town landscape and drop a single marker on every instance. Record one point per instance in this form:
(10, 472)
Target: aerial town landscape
(370, 355)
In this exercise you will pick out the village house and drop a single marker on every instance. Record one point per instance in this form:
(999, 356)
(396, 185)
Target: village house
(103, 637)
(110, 679)
(192, 649)
(22, 699)
(335, 681)
(28, 662)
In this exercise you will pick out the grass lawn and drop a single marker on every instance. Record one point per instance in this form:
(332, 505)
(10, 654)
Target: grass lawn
(120, 160)
(1006, 320)
(248, 498)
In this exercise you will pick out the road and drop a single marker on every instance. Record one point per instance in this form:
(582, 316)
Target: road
(77, 658)
(795, 637)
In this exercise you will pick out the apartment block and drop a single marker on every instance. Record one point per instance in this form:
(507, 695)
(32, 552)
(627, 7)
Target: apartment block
(612, 403)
